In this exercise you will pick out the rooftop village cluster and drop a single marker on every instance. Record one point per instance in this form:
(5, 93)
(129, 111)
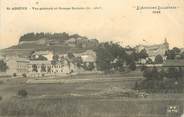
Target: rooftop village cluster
(47, 63)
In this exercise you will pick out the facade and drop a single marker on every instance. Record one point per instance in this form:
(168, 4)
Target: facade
(46, 68)
(12, 65)
(154, 50)
(37, 68)
(16, 65)
(22, 66)
(33, 68)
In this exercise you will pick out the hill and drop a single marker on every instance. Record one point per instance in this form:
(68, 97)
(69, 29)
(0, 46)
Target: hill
(57, 42)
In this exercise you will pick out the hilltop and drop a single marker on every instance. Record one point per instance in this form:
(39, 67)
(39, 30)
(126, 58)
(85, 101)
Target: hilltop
(57, 42)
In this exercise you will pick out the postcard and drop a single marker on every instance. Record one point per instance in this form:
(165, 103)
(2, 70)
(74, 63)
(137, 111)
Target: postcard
(91, 58)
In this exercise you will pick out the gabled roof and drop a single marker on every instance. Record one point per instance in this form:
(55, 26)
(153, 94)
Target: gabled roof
(41, 52)
(174, 63)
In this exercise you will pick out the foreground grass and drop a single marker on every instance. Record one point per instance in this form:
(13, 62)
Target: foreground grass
(87, 107)
(59, 103)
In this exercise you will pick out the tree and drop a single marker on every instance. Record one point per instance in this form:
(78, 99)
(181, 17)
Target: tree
(131, 58)
(182, 55)
(34, 68)
(14, 74)
(22, 93)
(155, 73)
(88, 66)
(176, 50)
(152, 74)
(24, 75)
(147, 73)
(78, 61)
(55, 59)
(135, 56)
(3, 66)
(159, 59)
(172, 73)
(132, 66)
(143, 54)
(110, 56)
(162, 74)
(171, 54)
(149, 61)
(70, 55)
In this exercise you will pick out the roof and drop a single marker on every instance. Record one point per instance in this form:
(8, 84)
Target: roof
(154, 50)
(87, 56)
(22, 60)
(40, 62)
(41, 52)
(174, 63)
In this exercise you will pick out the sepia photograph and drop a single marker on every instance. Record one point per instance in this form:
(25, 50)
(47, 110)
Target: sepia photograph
(99, 58)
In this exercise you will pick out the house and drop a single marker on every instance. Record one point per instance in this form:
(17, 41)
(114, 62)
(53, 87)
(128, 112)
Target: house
(47, 68)
(88, 57)
(154, 50)
(47, 54)
(37, 68)
(22, 66)
(12, 65)
(16, 65)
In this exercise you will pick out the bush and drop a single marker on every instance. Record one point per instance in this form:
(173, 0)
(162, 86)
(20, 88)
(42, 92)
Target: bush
(132, 66)
(14, 74)
(1, 98)
(24, 75)
(1, 82)
(22, 93)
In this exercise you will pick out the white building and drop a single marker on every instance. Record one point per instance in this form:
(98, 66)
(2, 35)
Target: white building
(154, 50)
(36, 68)
(16, 65)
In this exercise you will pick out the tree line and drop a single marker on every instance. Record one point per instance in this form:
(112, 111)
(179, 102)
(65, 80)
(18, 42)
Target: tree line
(58, 36)
(161, 80)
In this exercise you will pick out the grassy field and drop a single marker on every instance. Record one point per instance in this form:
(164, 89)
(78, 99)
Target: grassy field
(99, 97)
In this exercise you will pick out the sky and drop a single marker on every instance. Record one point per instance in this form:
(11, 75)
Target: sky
(113, 20)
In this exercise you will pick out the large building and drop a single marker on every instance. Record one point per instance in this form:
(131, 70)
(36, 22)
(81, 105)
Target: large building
(154, 50)
(47, 67)
(36, 68)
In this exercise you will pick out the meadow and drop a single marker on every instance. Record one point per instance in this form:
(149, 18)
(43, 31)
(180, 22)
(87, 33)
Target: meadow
(100, 97)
